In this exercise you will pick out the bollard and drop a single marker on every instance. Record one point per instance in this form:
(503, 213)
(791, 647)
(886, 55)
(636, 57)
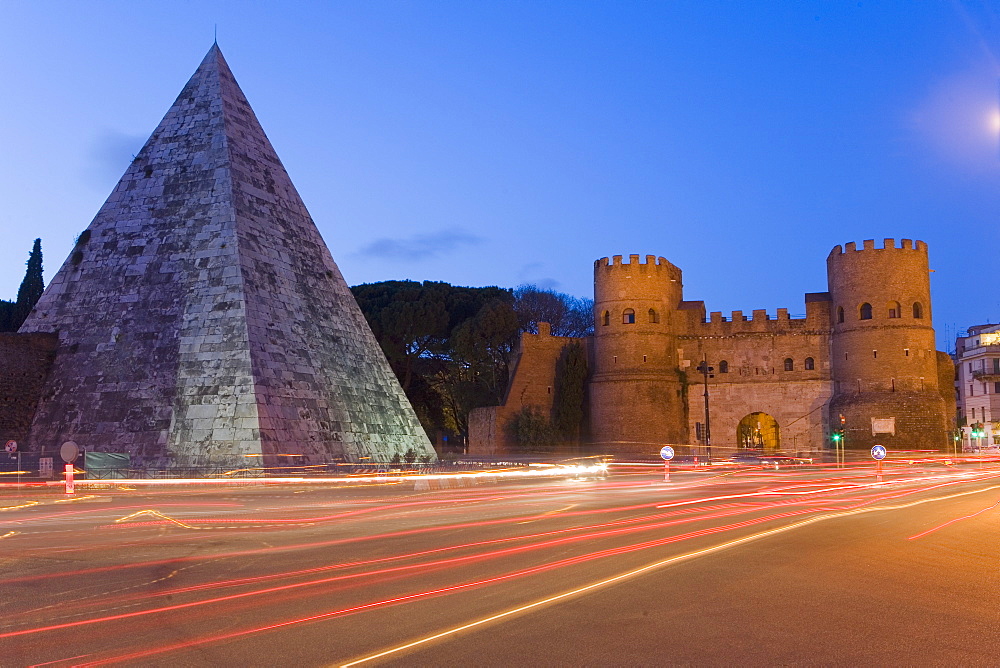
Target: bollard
(69, 479)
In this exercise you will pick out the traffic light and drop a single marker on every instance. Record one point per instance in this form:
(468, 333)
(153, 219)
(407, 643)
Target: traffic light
(837, 436)
(978, 430)
(705, 369)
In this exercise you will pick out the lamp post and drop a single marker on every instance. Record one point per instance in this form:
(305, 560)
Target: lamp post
(706, 372)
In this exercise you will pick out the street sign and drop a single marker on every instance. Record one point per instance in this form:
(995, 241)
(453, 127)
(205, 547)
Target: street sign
(11, 447)
(69, 452)
(667, 453)
(878, 452)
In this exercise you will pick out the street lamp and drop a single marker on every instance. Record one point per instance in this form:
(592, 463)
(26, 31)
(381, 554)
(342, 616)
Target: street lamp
(707, 373)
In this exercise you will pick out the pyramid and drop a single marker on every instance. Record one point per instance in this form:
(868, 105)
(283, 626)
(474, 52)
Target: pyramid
(201, 317)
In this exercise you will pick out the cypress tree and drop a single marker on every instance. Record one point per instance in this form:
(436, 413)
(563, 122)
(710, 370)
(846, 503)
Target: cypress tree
(31, 287)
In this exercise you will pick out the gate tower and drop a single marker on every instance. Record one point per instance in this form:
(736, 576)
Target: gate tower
(635, 392)
(884, 363)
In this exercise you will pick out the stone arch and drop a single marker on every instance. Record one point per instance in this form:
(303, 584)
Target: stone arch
(918, 310)
(894, 310)
(758, 431)
(606, 320)
(654, 317)
(865, 311)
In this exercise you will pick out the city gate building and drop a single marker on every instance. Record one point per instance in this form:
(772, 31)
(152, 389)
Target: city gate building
(862, 360)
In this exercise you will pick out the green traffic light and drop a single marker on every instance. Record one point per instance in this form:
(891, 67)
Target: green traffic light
(836, 437)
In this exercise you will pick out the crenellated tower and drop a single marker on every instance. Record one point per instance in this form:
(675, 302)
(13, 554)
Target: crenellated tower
(636, 393)
(883, 360)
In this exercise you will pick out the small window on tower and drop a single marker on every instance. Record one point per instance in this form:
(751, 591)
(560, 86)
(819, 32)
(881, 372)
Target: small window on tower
(628, 317)
(789, 364)
(607, 318)
(918, 311)
(654, 317)
(894, 311)
(866, 311)
(810, 364)
(840, 314)
(723, 366)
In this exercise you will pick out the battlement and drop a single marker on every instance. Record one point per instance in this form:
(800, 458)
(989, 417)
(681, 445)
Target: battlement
(649, 264)
(887, 245)
(700, 323)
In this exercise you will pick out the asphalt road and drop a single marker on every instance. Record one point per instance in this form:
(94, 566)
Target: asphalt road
(733, 567)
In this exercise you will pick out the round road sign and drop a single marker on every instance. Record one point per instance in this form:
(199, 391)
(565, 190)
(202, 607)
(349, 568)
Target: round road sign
(69, 452)
(878, 452)
(11, 447)
(666, 452)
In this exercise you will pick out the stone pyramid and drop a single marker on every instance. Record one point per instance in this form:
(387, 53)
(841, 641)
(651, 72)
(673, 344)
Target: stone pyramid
(201, 317)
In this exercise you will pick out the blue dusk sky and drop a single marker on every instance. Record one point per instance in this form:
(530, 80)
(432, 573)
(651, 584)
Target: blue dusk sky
(502, 143)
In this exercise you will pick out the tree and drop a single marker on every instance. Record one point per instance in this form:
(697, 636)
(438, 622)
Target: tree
(570, 384)
(486, 344)
(13, 314)
(449, 346)
(568, 316)
(530, 429)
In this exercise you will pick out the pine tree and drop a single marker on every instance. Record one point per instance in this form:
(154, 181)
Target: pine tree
(31, 287)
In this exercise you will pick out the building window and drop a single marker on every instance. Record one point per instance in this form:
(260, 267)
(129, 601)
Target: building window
(789, 364)
(866, 311)
(906, 352)
(628, 317)
(840, 314)
(874, 354)
(894, 311)
(643, 358)
(607, 318)
(654, 317)
(996, 388)
(810, 364)
(918, 311)
(723, 366)
(972, 391)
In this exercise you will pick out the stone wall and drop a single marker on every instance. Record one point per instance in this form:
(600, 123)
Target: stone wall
(25, 360)
(532, 383)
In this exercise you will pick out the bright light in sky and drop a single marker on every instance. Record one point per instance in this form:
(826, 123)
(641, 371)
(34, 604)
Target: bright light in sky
(497, 143)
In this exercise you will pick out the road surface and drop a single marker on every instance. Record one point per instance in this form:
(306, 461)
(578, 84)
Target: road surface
(721, 567)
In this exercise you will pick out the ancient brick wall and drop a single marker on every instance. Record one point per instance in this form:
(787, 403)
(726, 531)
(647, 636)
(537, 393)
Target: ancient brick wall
(532, 383)
(25, 360)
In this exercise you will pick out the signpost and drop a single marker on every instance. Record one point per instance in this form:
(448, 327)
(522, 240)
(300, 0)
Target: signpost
(69, 452)
(878, 454)
(11, 448)
(667, 453)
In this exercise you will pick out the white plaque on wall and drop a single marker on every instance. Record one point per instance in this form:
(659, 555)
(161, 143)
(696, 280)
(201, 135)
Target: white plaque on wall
(884, 426)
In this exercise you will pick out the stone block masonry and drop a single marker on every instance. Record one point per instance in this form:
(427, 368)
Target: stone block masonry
(201, 317)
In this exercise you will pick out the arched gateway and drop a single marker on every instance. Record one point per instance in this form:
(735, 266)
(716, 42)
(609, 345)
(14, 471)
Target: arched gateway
(758, 431)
